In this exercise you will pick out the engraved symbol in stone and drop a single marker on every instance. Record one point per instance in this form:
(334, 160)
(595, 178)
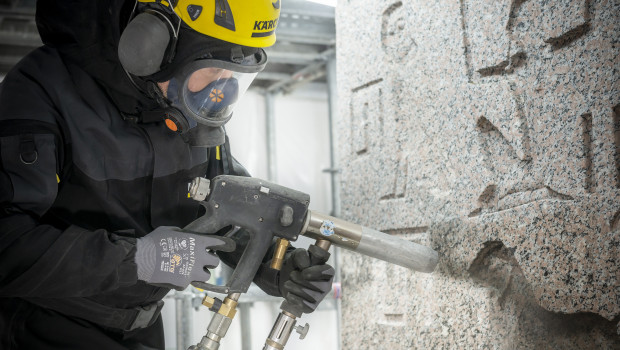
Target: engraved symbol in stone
(366, 114)
(504, 143)
(514, 182)
(615, 221)
(394, 39)
(565, 21)
(370, 136)
(399, 183)
(585, 123)
(500, 108)
(492, 48)
(616, 131)
(485, 35)
(598, 144)
(360, 128)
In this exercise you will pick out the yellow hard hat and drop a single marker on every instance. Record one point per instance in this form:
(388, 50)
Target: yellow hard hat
(247, 23)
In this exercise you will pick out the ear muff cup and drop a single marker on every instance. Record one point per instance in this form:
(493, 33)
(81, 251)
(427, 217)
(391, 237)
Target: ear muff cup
(143, 44)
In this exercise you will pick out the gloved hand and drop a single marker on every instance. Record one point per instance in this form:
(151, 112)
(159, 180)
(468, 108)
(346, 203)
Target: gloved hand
(305, 279)
(173, 258)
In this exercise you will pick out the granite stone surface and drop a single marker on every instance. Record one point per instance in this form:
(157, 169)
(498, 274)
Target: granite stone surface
(489, 130)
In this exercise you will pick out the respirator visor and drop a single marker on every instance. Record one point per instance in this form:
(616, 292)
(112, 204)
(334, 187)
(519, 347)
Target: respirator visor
(207, 90)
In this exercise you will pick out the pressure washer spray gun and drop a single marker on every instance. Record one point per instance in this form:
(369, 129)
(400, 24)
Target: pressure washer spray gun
(268, 210)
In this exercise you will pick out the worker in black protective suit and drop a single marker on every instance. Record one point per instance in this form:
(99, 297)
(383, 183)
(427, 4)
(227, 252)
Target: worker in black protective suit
(101, 130)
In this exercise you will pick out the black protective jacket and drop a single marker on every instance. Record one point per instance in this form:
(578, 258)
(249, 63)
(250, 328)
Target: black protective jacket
(80, 179)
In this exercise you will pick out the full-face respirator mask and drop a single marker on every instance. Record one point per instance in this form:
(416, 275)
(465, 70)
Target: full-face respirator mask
(197, 80)
(202, 96)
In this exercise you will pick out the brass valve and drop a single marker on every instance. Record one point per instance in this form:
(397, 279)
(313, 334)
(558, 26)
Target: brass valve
(226, 308)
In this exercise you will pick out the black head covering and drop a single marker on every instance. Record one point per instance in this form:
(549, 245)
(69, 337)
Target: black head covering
(88, 32)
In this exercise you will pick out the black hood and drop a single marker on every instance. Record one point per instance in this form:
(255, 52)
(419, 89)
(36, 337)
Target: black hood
(87, 33)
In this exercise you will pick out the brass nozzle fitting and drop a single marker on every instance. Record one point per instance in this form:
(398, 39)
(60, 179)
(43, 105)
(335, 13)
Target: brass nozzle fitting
(278, 255)
(226, 308)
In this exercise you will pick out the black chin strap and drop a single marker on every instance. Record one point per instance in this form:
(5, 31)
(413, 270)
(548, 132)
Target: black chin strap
(151, 90)
(156, 94)
(155, 115)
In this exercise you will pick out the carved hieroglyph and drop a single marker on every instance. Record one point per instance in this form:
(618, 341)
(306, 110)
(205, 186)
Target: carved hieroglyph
(489, 130)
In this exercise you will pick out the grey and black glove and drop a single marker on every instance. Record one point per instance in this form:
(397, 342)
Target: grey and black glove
(305, 279)
(173, 258)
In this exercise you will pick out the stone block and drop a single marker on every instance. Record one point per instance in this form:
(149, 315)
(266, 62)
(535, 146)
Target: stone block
(489, 130)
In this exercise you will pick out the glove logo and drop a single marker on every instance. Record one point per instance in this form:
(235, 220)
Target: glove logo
(174, 262)
(183, 244)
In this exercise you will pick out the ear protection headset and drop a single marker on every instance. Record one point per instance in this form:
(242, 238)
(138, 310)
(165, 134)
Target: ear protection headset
(148, 41)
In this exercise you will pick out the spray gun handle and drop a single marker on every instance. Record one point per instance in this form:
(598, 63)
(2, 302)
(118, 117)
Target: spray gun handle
(246, 268)
(262, 208)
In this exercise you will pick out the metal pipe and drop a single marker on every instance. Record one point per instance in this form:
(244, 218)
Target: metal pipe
(371, 242)
(234, 296)
(187, 320)
(340, 232)
(271, 136)
(178, 308)
(183, 313)
(246, 327)
(333, 113)
(309, 73)
(332, 100)
(318, 39)
(280, 332)
(301, 58)
(272, 75)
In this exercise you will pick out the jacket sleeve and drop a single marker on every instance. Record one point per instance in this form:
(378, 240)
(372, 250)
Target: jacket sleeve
(39, 260)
